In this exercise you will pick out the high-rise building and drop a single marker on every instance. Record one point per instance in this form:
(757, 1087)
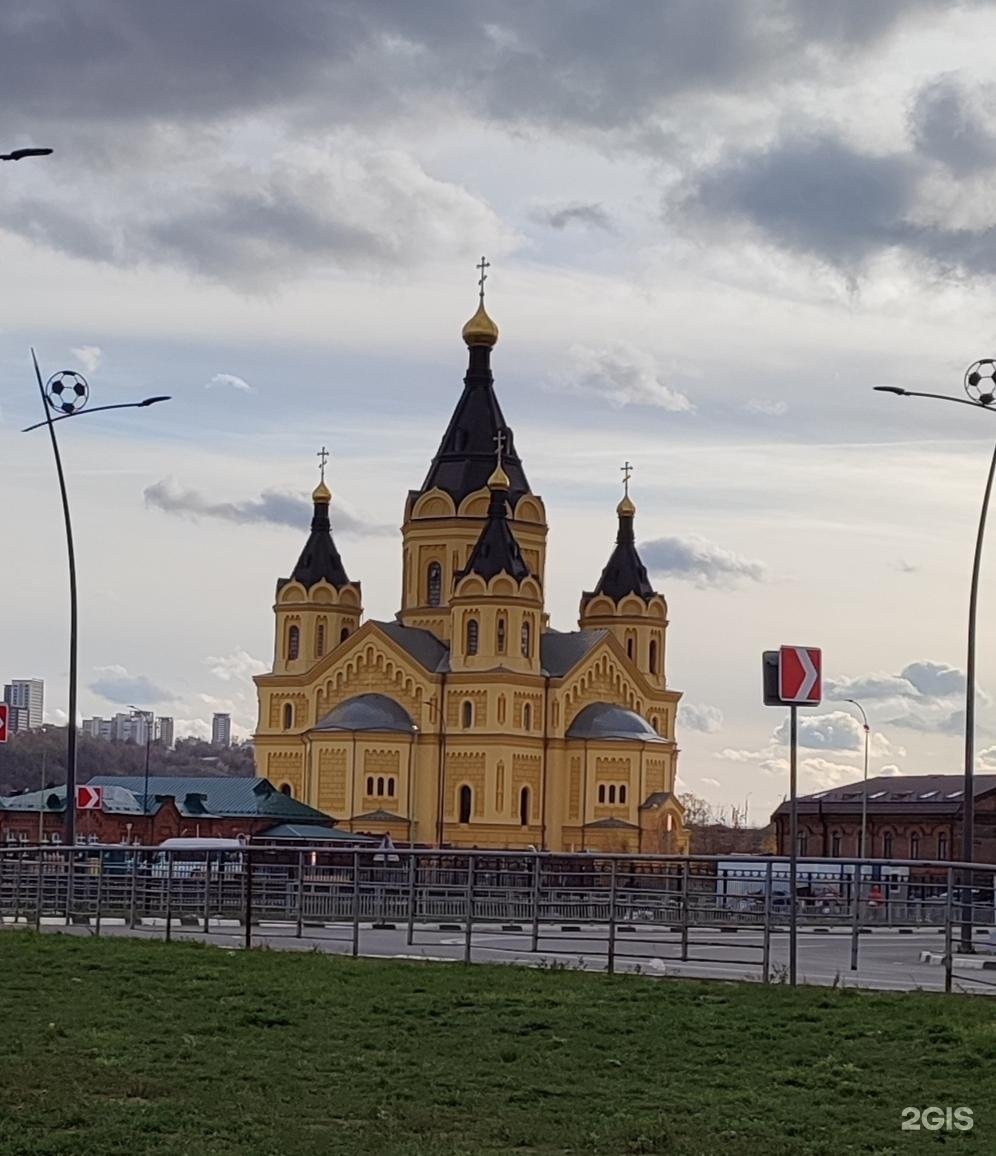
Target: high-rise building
(164, 732)
(221, 730)
(17, 719)
(29, 693)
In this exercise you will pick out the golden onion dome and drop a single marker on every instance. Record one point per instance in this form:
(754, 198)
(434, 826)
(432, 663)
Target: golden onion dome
(499, 480)
(480, 329)
(321, 493)
(626, 507)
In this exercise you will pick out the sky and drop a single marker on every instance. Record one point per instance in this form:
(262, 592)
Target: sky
(712, 228)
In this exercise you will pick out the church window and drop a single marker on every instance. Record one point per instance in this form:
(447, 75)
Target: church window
(629, 647)
(293, 643)
(601, 792)
(466, 803)
(527, 639)
(467, 714)
(670, 822)
(288, 715)
(287, 789)
(434, 581)
(344, 634)
(319, 640)
(390, 787)
(622, 793)
(653, 656)
(370, 785)
(524, 807)
(472, 633)
(527, 717)
(380, 787)
(500, 630)
(612, 793)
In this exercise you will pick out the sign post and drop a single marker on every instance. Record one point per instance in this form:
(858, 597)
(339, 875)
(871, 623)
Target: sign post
(4, 710)
(792, 677)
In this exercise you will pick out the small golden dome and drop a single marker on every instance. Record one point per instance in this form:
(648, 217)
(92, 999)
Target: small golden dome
(321, 493)
(480, 329)
(499, 480)
(626, 507)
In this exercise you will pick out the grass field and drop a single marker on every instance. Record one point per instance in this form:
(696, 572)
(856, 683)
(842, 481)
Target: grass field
(123, 1046)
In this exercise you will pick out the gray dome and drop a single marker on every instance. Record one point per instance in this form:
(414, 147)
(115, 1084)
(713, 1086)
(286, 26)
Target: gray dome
(603, 720)
(367, 712)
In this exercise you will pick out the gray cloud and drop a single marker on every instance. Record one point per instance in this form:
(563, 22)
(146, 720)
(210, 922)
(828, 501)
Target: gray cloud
(954, 124)
(700, 717)
(271, 508)
(934, 679)
(560, 216)
(837, 731)
(116, 685)
(622, 375)
(699, 561)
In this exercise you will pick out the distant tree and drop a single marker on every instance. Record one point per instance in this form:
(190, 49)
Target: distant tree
(698, 812)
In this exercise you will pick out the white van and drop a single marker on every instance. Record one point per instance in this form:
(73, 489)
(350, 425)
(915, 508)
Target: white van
(192, 857)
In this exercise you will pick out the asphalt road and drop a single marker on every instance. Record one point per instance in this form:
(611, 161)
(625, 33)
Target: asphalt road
(888, 959)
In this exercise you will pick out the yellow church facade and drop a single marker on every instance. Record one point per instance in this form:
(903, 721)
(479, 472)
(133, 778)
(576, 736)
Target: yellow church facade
(467, 721)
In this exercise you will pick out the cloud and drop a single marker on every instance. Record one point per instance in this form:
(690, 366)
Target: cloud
(115, 684)
(238, 666)
(954, 124)
(710, 782)
(622, 375)
(560, 216)
(765, 407)
(89, 356)
(837, 731)
(934, 679)
(231, 380)
(925, 696)
(700, 717)
(272, 507)
(825, 773)
(699, 561)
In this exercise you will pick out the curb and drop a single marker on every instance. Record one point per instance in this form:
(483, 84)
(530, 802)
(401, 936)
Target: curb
(960, 962)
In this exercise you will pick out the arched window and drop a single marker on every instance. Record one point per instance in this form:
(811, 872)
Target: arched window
(466, 803)
(622, 793)
(527, 717)
(835, 843)
(670, 821)
(942, 846)
(501, 628)
(434, 583)
(370, 785)
(629, 647)
(344, 634)
(472, 633)
(287, 789)
(914, 846)
(887, 845)
(612, 793)
(803, 842)
(653, 656)
(319, 640)
(293, 643)
(524, 807)
(390, 787)
(527, 639)
(380, 787)
(601, 792)
(288, 715)
(467, 714)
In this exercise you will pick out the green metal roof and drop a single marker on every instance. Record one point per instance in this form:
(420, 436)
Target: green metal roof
(305, 832)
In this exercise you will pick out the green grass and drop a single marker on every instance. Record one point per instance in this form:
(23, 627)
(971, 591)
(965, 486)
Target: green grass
(124, 1046)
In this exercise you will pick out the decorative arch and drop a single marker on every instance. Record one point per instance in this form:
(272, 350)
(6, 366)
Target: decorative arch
(288, 715)
(293, 642)
(435, 504)
(434, 584)
(524, 807)
(472, 635)
(465, 803)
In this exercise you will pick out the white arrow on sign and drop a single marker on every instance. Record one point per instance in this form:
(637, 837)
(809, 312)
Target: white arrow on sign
(809, 671)
(799, 675)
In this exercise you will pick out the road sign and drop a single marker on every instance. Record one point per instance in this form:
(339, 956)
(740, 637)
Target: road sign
(800, 675)
(3, 722)
(89, 798)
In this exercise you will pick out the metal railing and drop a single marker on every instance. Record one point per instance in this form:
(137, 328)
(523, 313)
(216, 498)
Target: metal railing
(616, 904)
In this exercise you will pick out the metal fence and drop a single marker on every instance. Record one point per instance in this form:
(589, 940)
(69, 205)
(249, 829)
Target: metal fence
(615, 897)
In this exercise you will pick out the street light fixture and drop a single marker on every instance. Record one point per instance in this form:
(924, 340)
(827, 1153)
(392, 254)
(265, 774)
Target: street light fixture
(980, 388)
(149, 719)
(67, 393)
(20, 154)
(864, 791)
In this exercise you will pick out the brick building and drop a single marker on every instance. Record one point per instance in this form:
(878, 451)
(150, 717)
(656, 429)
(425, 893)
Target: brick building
(208, 807)
(909, 817)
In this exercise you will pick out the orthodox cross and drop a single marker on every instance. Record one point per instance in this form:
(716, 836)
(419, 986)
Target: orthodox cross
(627, 471)
(500, 442)
(323, 456)
(482, 265)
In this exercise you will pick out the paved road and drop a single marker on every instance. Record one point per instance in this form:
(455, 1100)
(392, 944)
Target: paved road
(888, 960)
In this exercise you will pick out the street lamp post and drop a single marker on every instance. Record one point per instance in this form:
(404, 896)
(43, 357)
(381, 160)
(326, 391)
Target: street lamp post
(66, 394)
(20, 154)
(864, 791)
(149, 719)
(980, 386)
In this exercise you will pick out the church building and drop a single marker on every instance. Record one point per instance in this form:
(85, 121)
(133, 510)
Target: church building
(467, 721)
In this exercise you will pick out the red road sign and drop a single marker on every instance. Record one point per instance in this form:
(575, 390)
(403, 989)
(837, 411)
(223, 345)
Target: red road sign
(89, 798)
(800, 675)
(3, 722)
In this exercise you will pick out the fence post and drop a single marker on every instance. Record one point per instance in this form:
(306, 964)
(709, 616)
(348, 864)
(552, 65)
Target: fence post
(469, 909)
(684, 911)
(41, 888)
(356, 903)
(948, 937)
(134, 890)
(856, 914)
(207, 887)
(766, 943)
(300, 894)
(17, 882)
(247, 912)
(612, 916)
(100, 891)
(412, 875)
(169, 895)
(70, 866)
(535, 899)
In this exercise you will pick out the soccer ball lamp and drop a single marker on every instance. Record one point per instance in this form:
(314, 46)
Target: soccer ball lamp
(980, 381)
(67, 392)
